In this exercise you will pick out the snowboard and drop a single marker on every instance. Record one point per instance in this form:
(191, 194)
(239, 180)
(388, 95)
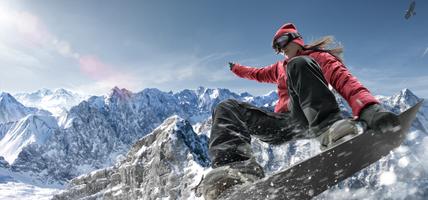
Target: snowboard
(314, 175)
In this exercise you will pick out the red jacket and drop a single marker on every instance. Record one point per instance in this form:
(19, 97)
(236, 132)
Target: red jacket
(335, 72)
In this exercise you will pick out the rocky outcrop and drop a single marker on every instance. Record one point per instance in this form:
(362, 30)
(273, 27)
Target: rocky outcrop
(167, 163)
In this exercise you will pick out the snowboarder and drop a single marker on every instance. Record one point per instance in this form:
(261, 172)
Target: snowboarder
(306, 109)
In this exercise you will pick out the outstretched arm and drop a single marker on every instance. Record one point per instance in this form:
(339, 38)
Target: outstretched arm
(267, 74)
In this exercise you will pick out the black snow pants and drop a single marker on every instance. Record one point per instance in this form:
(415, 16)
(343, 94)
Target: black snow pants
(311, 105)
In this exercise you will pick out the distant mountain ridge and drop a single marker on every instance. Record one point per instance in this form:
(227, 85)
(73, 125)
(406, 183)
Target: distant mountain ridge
(57, 102)
(11, 110)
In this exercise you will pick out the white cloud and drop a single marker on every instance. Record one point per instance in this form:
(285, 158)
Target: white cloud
(64, 48)
(23, 29)
(389, 82)
(25, 41)
(9, 54)
(182, 68)
(425, 52)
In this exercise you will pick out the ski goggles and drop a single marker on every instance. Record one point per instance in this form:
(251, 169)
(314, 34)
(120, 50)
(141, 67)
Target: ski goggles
(284, 40)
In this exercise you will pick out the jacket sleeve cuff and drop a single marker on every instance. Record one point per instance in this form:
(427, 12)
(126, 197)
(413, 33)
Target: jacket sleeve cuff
(360, 102)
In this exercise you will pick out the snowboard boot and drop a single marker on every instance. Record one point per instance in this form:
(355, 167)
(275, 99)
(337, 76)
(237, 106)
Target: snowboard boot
(230, 176)
(339, 131)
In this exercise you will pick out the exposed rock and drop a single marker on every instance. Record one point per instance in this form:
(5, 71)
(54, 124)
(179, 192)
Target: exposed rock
(167, 163)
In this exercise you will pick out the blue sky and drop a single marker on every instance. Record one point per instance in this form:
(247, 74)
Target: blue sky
(92, 46)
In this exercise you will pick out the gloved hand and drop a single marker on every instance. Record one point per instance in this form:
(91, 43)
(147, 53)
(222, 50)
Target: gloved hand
(231, 64)
(379, 119)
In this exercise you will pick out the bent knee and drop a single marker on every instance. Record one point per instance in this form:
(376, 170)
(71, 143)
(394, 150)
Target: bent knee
(301, 63)
(298, 61)
(228, 103)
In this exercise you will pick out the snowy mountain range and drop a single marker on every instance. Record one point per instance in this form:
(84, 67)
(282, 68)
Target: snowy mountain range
(159, 139)
(99, 131)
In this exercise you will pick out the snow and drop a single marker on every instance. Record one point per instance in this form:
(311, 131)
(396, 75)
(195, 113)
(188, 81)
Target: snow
(413, 135)
(116, 189)
(142, 149)
(86, 168)
(387, 178)
(11, 110)
(30, 129)
(215, 94)
(21, 186)
(403, 162)
(57, 102)
(423, 152)
(23, 191)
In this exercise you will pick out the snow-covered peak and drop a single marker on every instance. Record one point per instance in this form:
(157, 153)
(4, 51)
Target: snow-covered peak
(208, 98)
(405, 96)
(42, 92)
(117, 94)
(30, 129)
(165, 164)
(200, 89)
(6, 98)
(271, 94)
(57, 102)
(62, 91)
(10, 109)
(400, 101)
(60, 95)
(212, 93)
(34, 96)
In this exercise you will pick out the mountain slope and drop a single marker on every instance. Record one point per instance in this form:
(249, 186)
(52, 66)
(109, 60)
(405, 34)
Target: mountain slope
(11, 110)
(58, 102)
(28, 130)
(164, 164)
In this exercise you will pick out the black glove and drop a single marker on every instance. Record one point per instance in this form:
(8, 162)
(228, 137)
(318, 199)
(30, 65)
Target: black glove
(231, 64)
(379, 119)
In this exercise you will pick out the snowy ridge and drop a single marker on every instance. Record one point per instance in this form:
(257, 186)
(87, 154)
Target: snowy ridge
(166, 163)
(30, 129)
(11, 110)
(4, 128)
(58, 102)
(402, 101)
